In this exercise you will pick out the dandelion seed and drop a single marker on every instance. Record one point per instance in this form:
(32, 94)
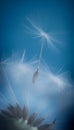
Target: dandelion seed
(44, 37)
(35, 76)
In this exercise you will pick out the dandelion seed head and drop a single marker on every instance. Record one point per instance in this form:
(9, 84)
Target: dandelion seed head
(18, 118)
(36, 96)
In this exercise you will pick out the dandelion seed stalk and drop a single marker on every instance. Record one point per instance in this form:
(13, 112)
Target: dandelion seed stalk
(42, 45)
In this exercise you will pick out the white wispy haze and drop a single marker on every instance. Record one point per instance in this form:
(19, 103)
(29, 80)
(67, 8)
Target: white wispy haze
(50, 91)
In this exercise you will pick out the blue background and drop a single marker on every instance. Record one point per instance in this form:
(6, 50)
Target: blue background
(52, 15)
